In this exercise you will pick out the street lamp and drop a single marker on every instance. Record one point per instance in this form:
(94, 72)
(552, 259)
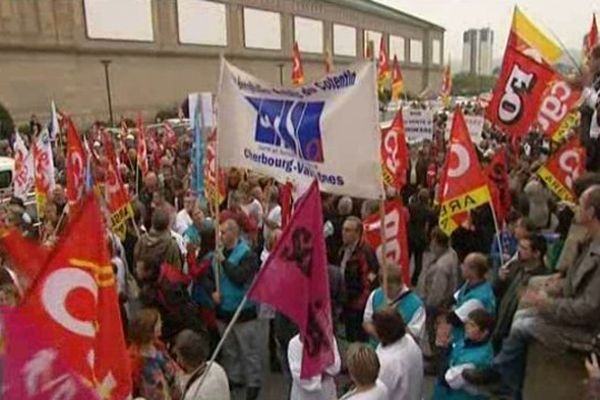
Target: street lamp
(106, 63)
(281, 73)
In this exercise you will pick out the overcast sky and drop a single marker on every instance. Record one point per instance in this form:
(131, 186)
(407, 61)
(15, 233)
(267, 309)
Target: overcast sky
(567, 19)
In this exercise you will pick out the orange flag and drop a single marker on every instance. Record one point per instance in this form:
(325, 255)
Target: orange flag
(463, 184)
(397, 80)
(383, 65)
(563, 168)
(142, 151)
(297, 70)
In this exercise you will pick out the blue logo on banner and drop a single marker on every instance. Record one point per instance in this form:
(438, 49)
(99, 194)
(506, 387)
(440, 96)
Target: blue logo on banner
(294, 125)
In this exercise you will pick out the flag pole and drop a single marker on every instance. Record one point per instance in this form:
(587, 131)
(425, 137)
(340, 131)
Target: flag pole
(217, 350)
(384, 271)
(217, 267)
(498, 238)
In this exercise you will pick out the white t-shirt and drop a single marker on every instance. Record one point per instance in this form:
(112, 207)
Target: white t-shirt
(254, 210)
(402, 369)
(214, 387)
(274, 215)
(182, 221)
(317, 388)
(378, 392)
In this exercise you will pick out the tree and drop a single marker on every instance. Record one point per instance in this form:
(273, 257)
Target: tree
(7, 126)
(471, 84)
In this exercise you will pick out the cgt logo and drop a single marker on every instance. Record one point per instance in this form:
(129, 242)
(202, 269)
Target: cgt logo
(293, 125)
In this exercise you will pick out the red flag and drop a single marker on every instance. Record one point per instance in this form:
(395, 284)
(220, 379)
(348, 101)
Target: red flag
(73, 305)
(463, 185)
(396, 245)
(76, 164)
(34, 369)
(497, 173)
(115, 193)
(287, 203)
(142, 152)
(518, 92)
(394, 154)
(591, 39)
(383, 65)
(559, 109)
(294, 280)
(563, 168)
(297, 70)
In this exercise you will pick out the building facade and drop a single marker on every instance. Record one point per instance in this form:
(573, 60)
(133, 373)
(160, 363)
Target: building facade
(478, 46)
(160, 50)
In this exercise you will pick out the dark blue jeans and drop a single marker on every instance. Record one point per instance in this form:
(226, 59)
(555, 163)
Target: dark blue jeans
(512, 359)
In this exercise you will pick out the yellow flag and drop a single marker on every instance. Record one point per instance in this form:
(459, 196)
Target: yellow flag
(532, 36)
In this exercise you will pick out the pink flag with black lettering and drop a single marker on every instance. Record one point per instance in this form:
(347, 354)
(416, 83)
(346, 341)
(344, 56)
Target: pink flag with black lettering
(294, 280)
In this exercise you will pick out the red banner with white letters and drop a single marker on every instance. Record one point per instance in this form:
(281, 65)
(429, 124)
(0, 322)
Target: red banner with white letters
(394, 154)
(518, 93)
(558, 113)
(394, 232)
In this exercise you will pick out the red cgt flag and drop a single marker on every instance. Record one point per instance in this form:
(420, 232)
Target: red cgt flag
(559, 109)
(394, 154)
(518, 93)
(297, 70)
(383, 64)
(73, 305)
(396, 245)
(563, 168)
(294, 280)
(115, 193)
(463, 185)
(76, 164)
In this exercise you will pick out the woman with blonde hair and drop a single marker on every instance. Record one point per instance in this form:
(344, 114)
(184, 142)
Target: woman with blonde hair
(363, 367)
(153, 371)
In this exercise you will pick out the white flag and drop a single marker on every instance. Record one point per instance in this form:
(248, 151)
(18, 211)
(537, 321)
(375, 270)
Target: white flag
(53, 128)
(24, 177)
(326, 129)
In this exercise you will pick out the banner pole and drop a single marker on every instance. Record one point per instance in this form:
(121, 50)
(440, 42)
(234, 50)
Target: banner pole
(498, 238)
(384, 271)
(221, 342)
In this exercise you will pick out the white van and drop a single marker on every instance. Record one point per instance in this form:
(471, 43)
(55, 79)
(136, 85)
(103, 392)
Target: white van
(7, 171)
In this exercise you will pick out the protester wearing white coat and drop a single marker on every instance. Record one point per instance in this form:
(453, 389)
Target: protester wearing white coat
(319, 387)
(400, 357)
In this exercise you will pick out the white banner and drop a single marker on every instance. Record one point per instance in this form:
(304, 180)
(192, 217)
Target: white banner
(418, 125)
(474, 125)
(326, 129)
(24, 177)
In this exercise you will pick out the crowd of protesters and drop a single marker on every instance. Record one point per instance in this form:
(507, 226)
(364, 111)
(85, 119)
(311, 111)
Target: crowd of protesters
(474, 302)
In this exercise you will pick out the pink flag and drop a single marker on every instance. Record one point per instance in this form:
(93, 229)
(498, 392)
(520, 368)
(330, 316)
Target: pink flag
(33, 367)
(294, 280)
